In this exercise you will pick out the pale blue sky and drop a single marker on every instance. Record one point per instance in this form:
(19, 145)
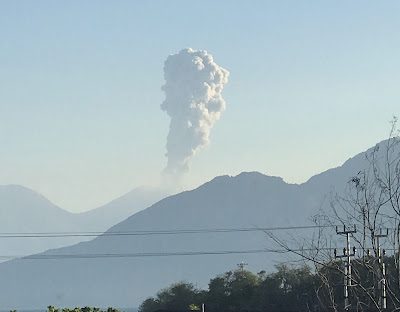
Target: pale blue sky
(312, 83)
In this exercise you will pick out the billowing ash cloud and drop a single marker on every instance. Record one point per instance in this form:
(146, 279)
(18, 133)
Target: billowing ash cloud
(193, 100)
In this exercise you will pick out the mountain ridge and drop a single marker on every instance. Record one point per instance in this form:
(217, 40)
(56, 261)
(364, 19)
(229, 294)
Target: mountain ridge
(246, 200)
(124, 270)
(23, 210)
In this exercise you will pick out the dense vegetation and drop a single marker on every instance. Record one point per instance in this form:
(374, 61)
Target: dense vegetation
(84, 309)
(287, 289)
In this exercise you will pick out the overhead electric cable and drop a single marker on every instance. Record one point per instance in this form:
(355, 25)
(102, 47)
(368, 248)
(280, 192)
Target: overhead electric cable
(153, 232)
(163, 254)
(153, 254)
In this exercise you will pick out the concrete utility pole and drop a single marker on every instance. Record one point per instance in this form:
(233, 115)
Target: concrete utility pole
(381, 261)
(347, 255)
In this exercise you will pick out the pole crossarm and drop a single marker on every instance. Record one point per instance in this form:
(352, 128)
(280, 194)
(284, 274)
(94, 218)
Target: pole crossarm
(347, 254)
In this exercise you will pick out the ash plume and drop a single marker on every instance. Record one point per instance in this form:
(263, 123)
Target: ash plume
(193, 100)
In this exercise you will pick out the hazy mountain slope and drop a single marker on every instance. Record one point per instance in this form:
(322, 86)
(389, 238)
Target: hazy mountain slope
(25, 211)
(247, 200)
(18, 203)
(102, 218)
(336, 179)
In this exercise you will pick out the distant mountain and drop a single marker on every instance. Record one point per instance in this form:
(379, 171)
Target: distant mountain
(102, 218)
(123, 270)
(24, 211)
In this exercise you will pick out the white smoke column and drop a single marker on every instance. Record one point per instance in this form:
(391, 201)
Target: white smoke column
(193, 100)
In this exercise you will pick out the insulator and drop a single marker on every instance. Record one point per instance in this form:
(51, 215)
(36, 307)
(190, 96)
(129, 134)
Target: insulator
(344, 251)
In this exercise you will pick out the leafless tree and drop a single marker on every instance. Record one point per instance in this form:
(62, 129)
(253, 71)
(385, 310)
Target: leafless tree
(371, 203)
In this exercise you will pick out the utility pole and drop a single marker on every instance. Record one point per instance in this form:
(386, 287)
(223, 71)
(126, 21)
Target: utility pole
(381, 261)
(347, 255)
(241, 265)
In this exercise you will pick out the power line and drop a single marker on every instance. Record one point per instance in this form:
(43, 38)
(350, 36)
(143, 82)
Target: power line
(161, 254)
(6, 235)
(153, 232)
(153, 254)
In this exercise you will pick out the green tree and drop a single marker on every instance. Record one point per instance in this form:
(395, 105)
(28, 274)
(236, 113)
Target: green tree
(218, 293)
(51, 309)
(242, 288)
(289, 288)
(177, 297)
(149, 305)
(232, 291)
